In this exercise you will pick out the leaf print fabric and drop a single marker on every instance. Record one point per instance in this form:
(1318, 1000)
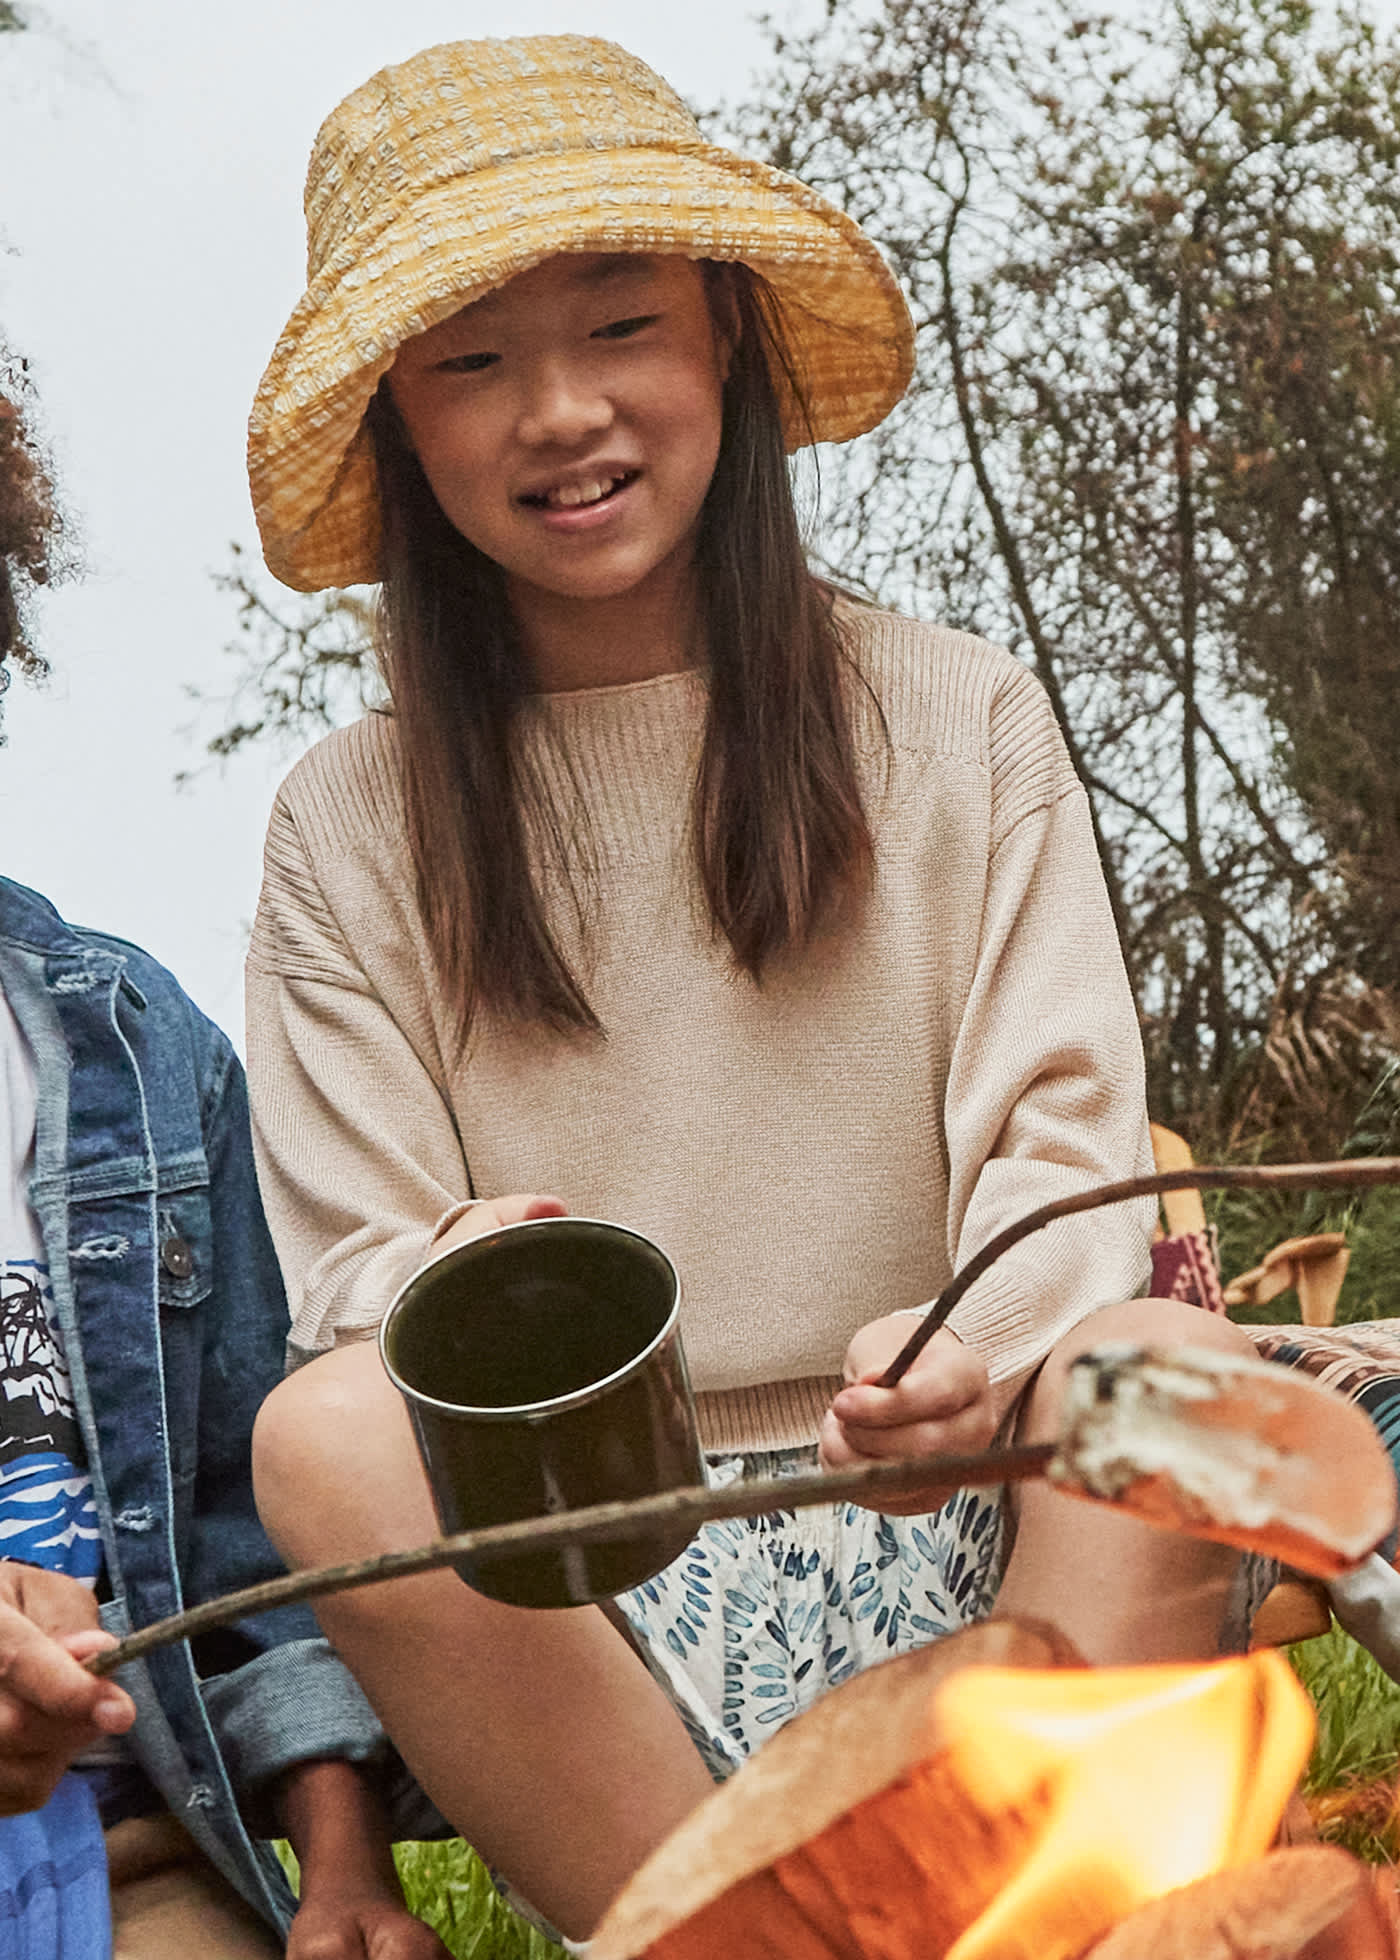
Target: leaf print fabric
(758, 1617)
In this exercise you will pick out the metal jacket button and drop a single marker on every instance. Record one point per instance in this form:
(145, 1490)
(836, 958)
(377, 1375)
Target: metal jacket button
(176, 1257)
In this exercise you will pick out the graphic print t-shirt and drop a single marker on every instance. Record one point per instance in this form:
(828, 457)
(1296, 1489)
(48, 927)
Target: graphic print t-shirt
(47, 1515)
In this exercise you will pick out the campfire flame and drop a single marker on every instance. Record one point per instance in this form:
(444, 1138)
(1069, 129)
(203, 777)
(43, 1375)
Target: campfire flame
(990, 1798)
(1146, 1778)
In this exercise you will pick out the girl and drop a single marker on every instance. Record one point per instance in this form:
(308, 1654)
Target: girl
(678, 886)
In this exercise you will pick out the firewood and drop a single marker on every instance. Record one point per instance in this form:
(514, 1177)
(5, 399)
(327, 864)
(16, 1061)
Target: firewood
(978, 1800)
(1317, 1903)
(733, 1878)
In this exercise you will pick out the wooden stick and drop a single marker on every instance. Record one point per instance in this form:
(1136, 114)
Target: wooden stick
(1356, 1174)
(687, 1506)
(698, 1506)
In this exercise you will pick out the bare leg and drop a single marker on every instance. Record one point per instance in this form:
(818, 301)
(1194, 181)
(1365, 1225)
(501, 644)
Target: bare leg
(1122, 1591)
(540, 1735)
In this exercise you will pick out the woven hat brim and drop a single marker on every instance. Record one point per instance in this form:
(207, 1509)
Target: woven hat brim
(309, 461)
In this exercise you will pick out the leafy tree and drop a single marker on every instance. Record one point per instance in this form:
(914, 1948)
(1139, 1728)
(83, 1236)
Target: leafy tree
(305, 665)
(1151, 446)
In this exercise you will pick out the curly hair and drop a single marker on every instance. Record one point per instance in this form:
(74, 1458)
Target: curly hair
(29, 520)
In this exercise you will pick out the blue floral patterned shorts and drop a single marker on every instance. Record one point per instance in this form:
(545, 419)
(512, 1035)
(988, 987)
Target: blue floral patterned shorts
(760, 1616)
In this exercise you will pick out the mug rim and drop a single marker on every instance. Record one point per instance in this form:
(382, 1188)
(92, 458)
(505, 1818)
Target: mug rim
(537, 1412)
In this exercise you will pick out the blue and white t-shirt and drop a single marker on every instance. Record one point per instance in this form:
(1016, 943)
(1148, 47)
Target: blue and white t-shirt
(47, 1514)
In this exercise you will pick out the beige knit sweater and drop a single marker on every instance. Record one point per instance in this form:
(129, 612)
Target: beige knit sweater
(813, 1153)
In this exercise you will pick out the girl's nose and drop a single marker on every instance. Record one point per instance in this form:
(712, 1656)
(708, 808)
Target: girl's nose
(562, 407)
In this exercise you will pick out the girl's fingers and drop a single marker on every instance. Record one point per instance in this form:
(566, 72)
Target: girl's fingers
(515, 1209)
(962, 1434)
(844, 1448)
(913, 1400)
(520, 1206)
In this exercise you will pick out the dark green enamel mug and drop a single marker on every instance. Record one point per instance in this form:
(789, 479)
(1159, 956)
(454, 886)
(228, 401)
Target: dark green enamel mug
(543, 1372)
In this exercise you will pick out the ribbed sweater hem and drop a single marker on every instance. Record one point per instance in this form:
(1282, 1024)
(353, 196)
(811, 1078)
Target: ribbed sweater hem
(766, 1416)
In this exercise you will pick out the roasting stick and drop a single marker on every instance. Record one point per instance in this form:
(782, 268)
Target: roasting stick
(1291, 1405)
(586, 1526)
(1351, 1174)
(1234, 1449)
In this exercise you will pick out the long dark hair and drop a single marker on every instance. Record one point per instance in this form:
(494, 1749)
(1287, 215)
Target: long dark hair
(781, 836)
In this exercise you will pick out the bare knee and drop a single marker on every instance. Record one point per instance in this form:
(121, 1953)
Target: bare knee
(1156, 1323)
(334, 1459)
(1149, 1323)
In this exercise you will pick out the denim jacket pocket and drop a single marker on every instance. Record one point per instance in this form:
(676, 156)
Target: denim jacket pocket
(184, 1248)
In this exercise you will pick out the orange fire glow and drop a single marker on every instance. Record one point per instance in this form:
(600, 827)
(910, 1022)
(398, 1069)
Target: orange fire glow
(1148, 1777)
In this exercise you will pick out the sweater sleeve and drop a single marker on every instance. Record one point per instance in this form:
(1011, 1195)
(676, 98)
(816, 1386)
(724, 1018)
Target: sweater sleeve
(1045, 1096)
(354, 1200)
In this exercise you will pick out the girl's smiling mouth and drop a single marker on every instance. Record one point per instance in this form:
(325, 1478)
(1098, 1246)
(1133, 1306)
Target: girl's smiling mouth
(582, 493)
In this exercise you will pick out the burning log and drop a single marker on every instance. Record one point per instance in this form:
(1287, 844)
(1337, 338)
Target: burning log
(983, 1799)
(735, 1878)
(1313, 1904)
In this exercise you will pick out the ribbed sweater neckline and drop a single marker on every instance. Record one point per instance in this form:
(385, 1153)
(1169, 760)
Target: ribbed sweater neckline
(628, 753)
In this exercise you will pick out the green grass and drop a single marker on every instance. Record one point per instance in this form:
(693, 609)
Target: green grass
(448, 1886)
(1358, 1712)
(1350, 1780)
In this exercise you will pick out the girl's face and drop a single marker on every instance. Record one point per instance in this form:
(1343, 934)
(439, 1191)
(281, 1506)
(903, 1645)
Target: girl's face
(569, 423)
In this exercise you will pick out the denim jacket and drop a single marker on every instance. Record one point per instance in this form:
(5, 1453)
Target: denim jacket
(173, 1318)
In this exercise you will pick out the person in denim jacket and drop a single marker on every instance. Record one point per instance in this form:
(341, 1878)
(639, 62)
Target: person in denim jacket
(159, 1314)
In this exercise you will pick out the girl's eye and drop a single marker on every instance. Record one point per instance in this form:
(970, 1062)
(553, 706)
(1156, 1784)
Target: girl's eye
(624, 329)
(466, 363)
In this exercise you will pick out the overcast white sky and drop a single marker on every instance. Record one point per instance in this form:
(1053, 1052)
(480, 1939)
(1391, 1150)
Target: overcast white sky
(151, 160)
(152, 154)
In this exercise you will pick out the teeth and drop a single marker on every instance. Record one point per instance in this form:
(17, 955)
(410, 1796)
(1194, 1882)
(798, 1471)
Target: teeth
(569, 495)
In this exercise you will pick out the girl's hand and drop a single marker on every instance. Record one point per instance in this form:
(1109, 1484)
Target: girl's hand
(491, 1212)
(944, 1402)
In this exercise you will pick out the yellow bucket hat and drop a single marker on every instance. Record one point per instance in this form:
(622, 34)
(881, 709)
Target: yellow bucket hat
(452, 172)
